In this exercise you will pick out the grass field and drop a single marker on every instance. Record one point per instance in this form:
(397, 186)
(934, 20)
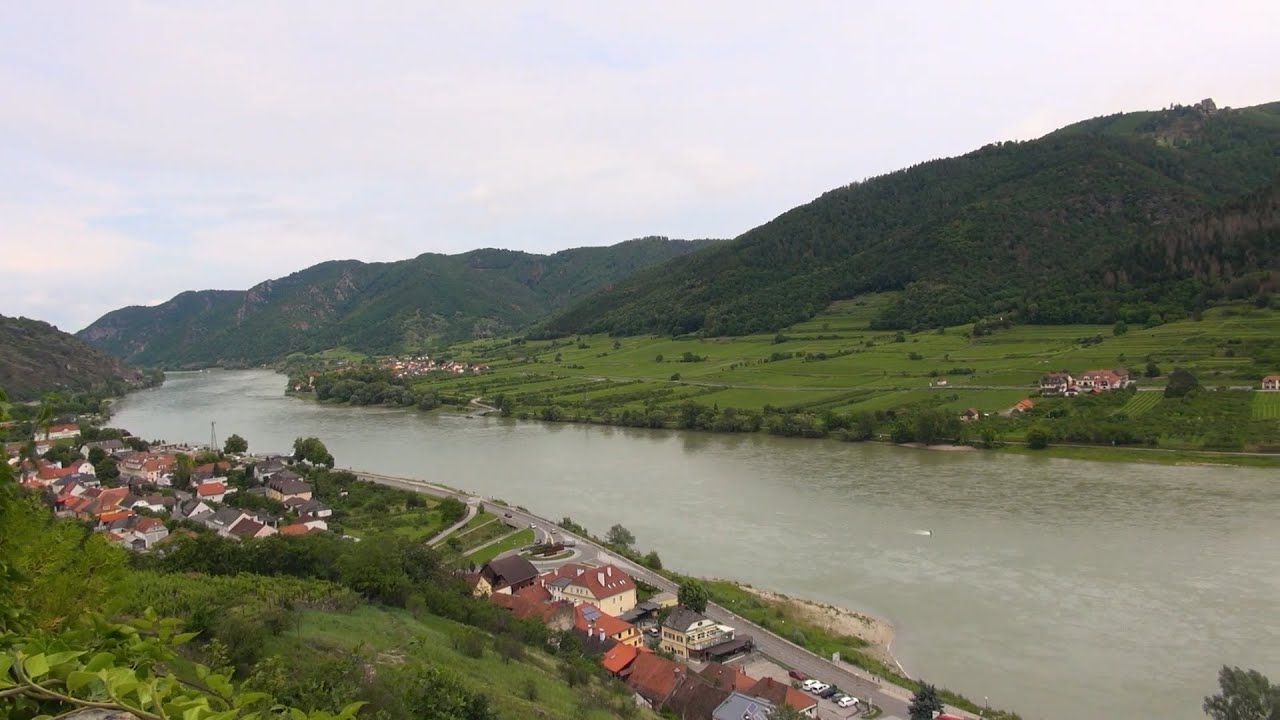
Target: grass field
(834, 363)
(388, 637)
(517, 539)
(1266, 406)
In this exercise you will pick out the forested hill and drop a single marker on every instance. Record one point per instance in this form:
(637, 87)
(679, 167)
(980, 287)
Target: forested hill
(38, 358)
(371, 307)
(1055, 230)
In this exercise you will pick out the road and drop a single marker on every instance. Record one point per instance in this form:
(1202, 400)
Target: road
(892, 699)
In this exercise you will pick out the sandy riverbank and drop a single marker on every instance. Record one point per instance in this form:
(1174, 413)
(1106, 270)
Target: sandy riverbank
(878, 633)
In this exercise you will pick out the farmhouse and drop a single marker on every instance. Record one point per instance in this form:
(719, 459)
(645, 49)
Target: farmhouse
(1271, 383)
(1103, 380)
(1056, 383)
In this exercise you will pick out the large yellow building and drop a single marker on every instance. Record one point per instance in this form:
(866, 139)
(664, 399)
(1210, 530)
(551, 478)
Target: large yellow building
(606, 587)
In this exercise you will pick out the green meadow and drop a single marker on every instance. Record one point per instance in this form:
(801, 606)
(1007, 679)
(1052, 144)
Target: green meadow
(834, 365)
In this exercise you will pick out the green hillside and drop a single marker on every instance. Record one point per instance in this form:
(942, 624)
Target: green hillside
(837, 376)
(371, 307)
(215, 628)
(38, 358)
(1056, 230)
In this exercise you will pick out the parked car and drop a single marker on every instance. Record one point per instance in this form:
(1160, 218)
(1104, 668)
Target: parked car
(817, 688)
(506, 515)
(810, 684)
(829, 691)
(797, 675)
(847, 701)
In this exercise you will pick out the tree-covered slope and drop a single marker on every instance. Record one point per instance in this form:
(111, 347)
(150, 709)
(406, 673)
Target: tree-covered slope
(37, 358)
(1048, 229)
(371, 307)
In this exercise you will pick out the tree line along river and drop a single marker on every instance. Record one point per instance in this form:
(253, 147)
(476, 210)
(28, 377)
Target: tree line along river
(1057, 588)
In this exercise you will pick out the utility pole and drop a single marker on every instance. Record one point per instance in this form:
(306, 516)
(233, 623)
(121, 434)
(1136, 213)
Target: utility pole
(213, 436)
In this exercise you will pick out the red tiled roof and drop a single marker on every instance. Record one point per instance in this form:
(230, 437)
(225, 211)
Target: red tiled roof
(146, 524)
(780, 692)
(113, 515)
(210, 488)
(654, 676)
(211, 467)
(535, 593)
(1271, 377)
(65, 427)
(296, 529)
(726, 677)
(601, 582)
(611, 625)
(619, 657)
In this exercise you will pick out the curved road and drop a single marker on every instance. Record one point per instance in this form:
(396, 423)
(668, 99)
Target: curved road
(892, 699)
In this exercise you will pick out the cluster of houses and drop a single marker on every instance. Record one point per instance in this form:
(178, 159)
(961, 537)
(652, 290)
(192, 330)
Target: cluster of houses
(1090, 381)
(134, 511)
(419, 365)
(599, 605)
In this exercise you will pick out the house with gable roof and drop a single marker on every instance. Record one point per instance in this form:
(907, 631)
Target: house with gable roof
(606, 587)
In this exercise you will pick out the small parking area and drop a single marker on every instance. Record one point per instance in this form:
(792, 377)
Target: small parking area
(759, 666)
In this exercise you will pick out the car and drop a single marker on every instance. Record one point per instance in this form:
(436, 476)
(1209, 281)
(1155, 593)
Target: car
(506, 515)
(810, 684)
(817, 688)
(797, 675)
(533, 525)
(829, 691)
(847, 701)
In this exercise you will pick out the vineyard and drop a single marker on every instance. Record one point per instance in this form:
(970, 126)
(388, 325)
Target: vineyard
(1266, 406)
(1141, 403)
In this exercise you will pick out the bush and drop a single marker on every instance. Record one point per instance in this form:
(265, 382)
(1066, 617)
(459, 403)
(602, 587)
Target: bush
(1037, 438)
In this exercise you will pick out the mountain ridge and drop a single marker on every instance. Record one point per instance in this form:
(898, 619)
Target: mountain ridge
(1024, 228)
(404, 305)
(37, 358)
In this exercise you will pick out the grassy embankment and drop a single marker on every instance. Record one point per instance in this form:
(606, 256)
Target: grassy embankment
(384, 636)
(834, 364)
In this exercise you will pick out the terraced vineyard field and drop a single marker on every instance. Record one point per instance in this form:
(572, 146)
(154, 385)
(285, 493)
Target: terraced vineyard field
(1266, 406)
(1141, 403)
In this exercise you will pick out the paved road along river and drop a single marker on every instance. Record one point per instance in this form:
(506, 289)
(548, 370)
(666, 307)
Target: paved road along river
(1058, 588)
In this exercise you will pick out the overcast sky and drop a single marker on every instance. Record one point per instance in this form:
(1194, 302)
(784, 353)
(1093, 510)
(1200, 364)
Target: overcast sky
(152, 147)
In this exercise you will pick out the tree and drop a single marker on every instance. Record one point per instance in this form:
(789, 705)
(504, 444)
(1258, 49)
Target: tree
(235, 445)
(452, 510)
(925, 703)
(1181, 383)
(619, 535)
(1246, 695)
(694, 596)
(652, 560)
(1120, 328)
(1037, 438)
(313, 451)
(183, 470)
(1152, 370)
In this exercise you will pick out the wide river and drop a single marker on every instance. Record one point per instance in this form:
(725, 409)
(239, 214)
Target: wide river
(1061, 589)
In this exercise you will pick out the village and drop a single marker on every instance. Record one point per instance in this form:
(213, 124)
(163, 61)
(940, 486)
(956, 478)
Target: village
(420, 365)
(132, 509)
(668, 655)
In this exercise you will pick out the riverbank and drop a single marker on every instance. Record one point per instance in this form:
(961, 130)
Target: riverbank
(876, 632)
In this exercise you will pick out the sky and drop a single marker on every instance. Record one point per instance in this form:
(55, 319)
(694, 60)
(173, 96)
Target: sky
(152, 147)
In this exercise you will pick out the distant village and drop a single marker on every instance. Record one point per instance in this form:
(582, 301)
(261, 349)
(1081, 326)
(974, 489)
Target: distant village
(419, 365)
(131, 510)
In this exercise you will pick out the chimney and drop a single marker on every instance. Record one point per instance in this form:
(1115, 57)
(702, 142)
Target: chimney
(602, 633)
(581, 570)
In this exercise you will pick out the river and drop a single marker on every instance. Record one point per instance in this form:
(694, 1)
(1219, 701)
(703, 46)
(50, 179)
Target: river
(1058, 588)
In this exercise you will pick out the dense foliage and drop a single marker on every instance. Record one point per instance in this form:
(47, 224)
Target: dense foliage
(37, 358)
(410, 306)
(1068, 228)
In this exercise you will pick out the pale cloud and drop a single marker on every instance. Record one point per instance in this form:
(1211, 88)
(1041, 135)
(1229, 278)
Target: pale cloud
(224, 143)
